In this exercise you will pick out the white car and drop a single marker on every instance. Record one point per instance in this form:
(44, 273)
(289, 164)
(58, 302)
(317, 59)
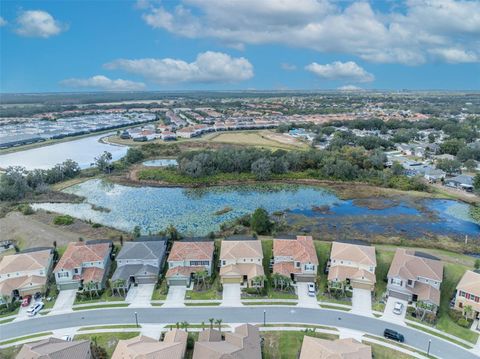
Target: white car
(398, 308)
(311, 290)
(34, 309)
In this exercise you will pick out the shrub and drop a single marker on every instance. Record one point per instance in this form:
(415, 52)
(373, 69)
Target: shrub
(26, 209)
(456, 315)
(464, 323)
(97, 225)
(64, 220)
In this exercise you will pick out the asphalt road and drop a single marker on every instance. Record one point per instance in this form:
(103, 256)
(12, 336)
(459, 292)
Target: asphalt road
(415, 338)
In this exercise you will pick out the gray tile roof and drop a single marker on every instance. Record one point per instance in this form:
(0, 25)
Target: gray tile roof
(135, 270)
(142, 250)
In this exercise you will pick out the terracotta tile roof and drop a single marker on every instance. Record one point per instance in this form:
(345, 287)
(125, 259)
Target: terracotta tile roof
(285, 268)
(470, 283)
(172, 347)
(341, 273)
(92, 274)
(25, 261)
(241, 249)
(426, 292)
(183, 271)
(348, 348)
(354, 253)
(407, 265)
(8, 285)
(249, 269)
(54, 348)
(301, 249)
(182, 251)
(81, 252)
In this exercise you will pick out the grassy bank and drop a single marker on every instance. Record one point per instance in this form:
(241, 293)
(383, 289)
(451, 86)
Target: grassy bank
(286, 344)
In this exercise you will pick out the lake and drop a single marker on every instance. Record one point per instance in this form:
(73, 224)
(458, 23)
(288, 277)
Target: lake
(199, 211)
(83, 151)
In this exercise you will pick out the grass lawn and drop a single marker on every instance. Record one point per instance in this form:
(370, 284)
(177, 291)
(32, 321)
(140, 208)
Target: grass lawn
(202, 304)
(438, 335)
(384, 259)
(285, 344)
(254, 138)
(108, 341)
(10, 352)
(326, 306)
(381, 352)
(105, 297)
(113, 305)
(160, 293)
(205, 294)
(269, 303)
(9, 314)
(120, 326)
(36, 335)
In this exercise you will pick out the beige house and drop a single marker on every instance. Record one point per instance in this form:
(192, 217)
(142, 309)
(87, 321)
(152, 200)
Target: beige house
(348, 348)
(187, 258)
(352, 265)
(243, 343)
(25, 273)
(414, 276)
(53, 348)
(468, 293)
(173, 346)
(241, 261)
(295, 258)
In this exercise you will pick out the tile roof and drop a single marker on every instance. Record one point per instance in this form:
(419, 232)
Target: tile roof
(142, 250)
(354, 252)
(347, 348)
(241, 249)
(251, 270)
(341, 272)
(185, 251)
(183, 271)
(142, 347)
(8, 285)
(54, 348)
(301, 249)
(81, 252)
(426, 292)
(92, 274)
(407, 265)
(285, 268)
(470, 283)
(22, 262)
(128, 270)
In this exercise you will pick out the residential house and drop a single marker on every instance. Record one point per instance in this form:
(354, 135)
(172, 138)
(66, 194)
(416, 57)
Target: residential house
(434, 175)
(241, 261)
(188, 257)
(139, 262)
(352, 266)
(53, 348)
(173, 346)
(415, 277)
(243, 343)
(468, 294)
(25, 273)
(347, 348)
(82, 263)
(464, 182)
(295, 258)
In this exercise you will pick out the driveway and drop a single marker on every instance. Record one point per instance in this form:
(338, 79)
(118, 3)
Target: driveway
(391, 317)
(175, 296)
(64, 301)
(231, 295)
(304, 300)
(362, 302)
(140, 296)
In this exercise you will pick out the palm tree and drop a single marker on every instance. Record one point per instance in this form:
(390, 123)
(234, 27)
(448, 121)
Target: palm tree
(258, 281)
(219, 323)
(203, 325)
(467, 311)
(211, 320)
(185, 325)
(200, 277)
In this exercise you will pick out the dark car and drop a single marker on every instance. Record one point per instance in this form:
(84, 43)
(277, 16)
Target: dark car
(394, 335)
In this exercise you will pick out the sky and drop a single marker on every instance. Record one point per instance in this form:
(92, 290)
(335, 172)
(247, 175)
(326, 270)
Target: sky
(53, 46)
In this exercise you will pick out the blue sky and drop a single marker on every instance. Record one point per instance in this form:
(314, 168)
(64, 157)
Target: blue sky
(238, 44)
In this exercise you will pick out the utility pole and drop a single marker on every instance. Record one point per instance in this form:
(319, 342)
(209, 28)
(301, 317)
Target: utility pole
(264, 317)
(429, 342)
(136, 319)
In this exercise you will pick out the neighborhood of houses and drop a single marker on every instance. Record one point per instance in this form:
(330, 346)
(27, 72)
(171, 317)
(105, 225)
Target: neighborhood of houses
(413, 281)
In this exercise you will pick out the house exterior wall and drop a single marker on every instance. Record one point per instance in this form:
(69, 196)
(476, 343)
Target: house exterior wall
(192, 263)
(461, 302)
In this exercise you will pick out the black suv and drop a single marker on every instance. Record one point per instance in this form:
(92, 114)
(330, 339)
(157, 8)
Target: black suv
(394, 335)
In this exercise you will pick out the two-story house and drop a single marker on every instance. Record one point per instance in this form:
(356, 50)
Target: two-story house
(468, 295)
(241, 261)
(82, 263)
(352, 266)
(139, 262)
(295, 258)
(25, 273)
(188, 257)
(415, 276)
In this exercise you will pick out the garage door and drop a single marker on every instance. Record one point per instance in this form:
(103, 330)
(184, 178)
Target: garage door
(68, 286)
(174, 282)
(231, 280)
(362, 285)
(399, 295)
(146, 280)
(305, 279)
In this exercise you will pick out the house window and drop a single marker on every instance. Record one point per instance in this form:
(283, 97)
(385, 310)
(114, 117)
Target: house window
(76, 270)
(199, 263)
(297, 264)
(410, 282)
(309, 267)
(396, 281)
(62, 274)
(224, 262)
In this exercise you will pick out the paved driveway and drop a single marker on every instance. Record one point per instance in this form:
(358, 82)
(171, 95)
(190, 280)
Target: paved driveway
(362, 302)
(140, 296)
(175, 296)
(304, 300)
(64, 301)
(388, 314)
(231, 295)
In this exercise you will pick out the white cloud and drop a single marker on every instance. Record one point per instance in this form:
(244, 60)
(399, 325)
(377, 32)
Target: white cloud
(38, 23)
(3, 22)
(454, 56)
(405, 36)
(208, 67)
(100, 82)
(344, 71)
(349, 88)
(288, 67)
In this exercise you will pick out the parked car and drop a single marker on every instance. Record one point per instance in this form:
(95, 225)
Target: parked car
(26, 300)
(398, 308)
(311, 290)
(35, 309)
(394, 335)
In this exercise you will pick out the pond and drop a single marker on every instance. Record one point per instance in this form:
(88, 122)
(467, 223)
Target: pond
(83, 151)
(162, 162)
(200, 211)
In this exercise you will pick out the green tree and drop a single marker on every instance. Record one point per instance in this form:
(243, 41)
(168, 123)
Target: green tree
(260, 221)
(476, 182)
(449, 166)
(470, 164)
(262, 169)
(477, 264)
(136, 232)
(104, 162)
(133, 155)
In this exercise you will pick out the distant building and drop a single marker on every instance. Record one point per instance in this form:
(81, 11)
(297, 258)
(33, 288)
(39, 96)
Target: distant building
(463, 182)
(468, 294)
(53, 348)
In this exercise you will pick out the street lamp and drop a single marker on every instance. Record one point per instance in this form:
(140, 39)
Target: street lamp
(136, 319)
(264, 317)
(429, 342)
